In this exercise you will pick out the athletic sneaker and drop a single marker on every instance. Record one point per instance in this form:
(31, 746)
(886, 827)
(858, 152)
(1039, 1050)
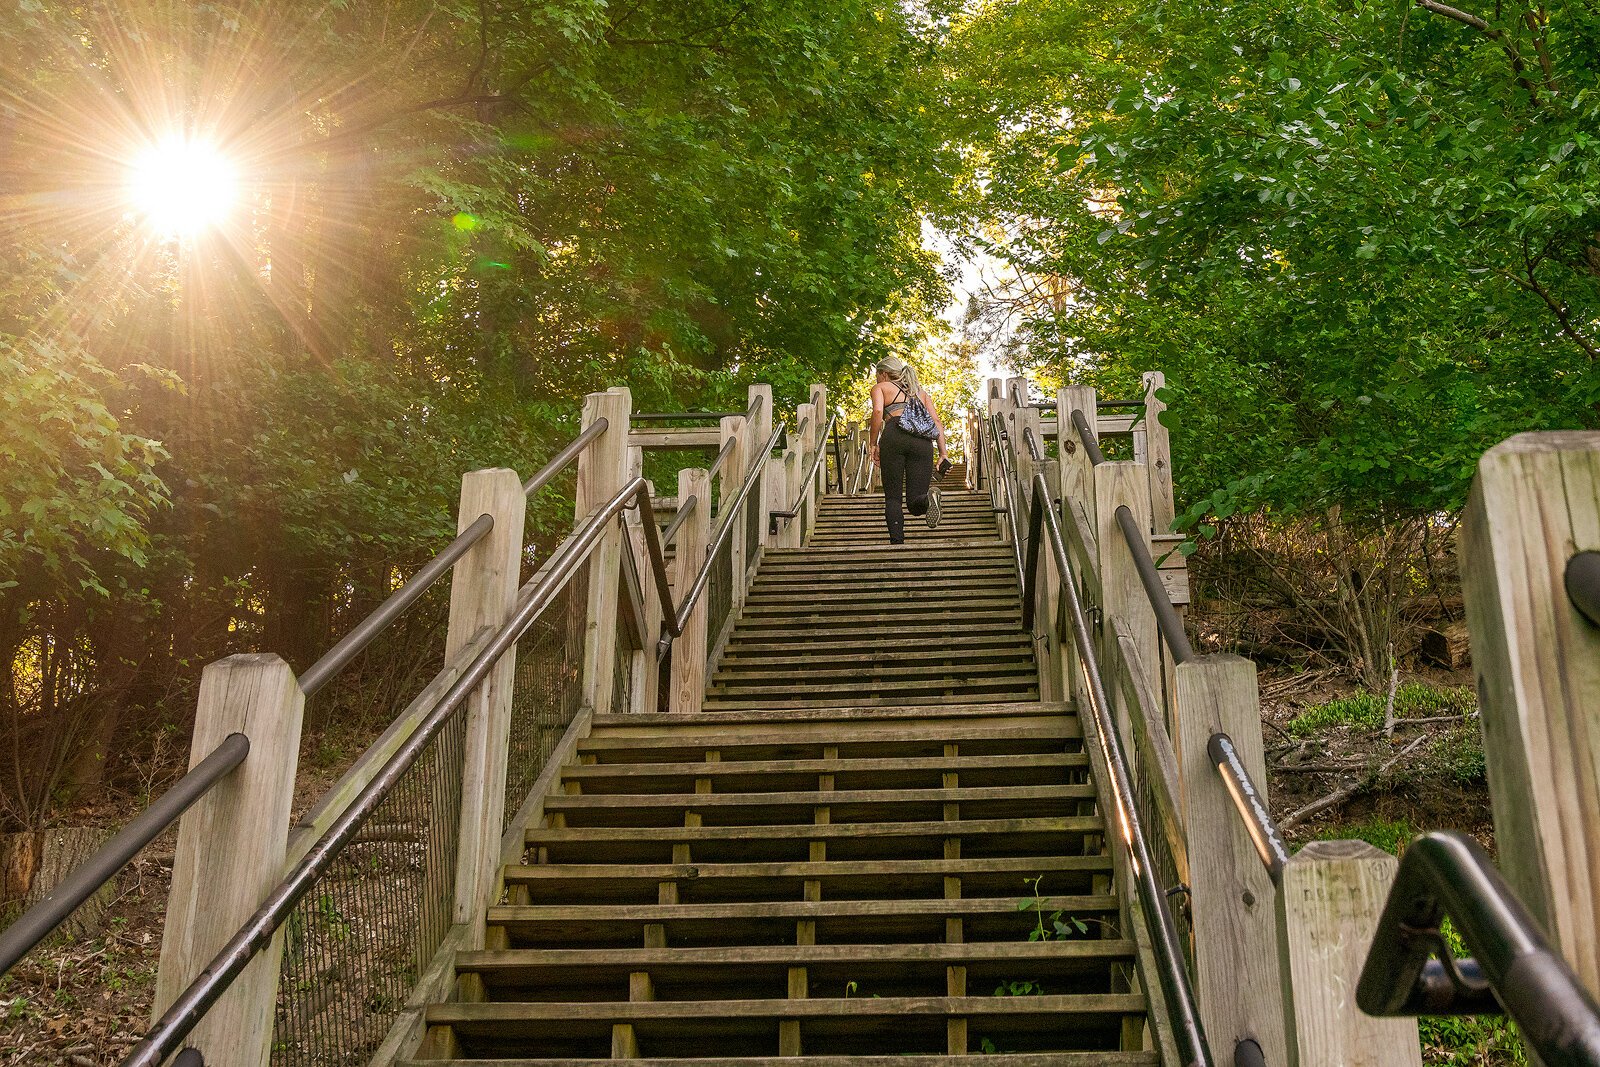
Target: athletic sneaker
(934, 507)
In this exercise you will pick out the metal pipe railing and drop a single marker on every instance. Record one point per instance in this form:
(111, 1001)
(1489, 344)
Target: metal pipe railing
(1086, 435)
(838, 454)
(685, 509)
(1442, 875)
(1582, 581)
(808, 480)
(1167, 619)
(256, 934)
(348, 647)
(1008, 477)
(722, 456)
(1184, 1018)
(559, 461)
(676, 621)
(1251, 806)
(1034, 449)
(35, 924)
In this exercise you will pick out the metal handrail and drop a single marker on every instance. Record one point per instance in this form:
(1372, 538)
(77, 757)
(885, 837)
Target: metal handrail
(722, 456)
(838, 454)
(1252, 807)
(1188, 1033)
(808, 480)
(367, 630)
(257, 932)
(348, 647)
(35, 924)
(1032, 442)
(676, 621)
(1086, 435)
(1008, 475)
(559, 461)
(685, 509)
(1582, 582)
(1167, 620)
(1444, 874)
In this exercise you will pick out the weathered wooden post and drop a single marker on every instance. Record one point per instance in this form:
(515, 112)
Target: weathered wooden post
(735, 430)
(483, 588)
(774, 532)
(602, 472)
(1328, 908)
(806, 439)
(694, 536)
(646, 677)
(230, 853)
(761, 497)
(819, 402)
(1534, 505)
(1122, 595)
(1158, 452)
(1237, 965)
(1077, 469)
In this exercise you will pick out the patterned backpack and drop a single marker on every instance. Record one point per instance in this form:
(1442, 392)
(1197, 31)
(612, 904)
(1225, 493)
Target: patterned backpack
(915, 418)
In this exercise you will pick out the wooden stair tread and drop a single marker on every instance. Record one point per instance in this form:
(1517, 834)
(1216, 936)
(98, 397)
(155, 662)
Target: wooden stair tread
(998, 709)
(1015, 1059)
(820, 797)
(458, 1013)
(823, 869)
(1020, 952)
(503, 914)
(854, 831)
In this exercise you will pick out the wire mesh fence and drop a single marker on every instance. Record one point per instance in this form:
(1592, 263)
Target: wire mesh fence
(755, 514)
(547, 688)
(1167, 872)
(355, 945)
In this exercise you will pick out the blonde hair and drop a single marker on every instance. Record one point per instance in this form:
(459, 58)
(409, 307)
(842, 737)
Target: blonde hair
(901, 373)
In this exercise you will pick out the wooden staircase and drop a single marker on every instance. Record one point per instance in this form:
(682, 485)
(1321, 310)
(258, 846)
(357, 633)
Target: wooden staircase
(852, 621)
(815, 875)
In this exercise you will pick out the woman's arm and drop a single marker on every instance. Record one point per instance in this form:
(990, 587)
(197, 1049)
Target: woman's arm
(877, 420)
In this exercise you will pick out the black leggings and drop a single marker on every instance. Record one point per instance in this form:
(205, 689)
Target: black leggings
(907, 463)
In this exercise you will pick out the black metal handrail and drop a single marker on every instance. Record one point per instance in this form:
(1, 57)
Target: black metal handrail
(1032, 441)
(348, 647)
(1008, 476)
(685, 509)
(1582, 581)
(1447, 875)
(838, 454)
(256, 934)
(1251, 806)
(722, 456)
(807, 480)
(35, 924)
(1184, 1018)
(674, 622)
(1091, 445)
(1167, 619)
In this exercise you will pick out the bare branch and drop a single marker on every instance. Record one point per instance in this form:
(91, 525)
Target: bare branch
(1460, 16)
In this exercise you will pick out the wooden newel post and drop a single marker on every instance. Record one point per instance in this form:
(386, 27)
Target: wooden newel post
(1238, 971)
(761, 496)
(1122, 595)
(819, 402)
(778, 498)
(805, 449)
(230, 853)
(1536, 503)
(1158, 455)
(483, 587)
(694, 536)
(1328, 908)
(1077, 470)
(731, 476)
(645, 675)
(790, 531)
(602, 472)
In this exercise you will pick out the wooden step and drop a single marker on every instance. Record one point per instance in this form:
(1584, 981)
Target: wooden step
(876, 922)
(724, 704)
(1014, 1059)
(968, 646)
(791, 806)
(994, 710)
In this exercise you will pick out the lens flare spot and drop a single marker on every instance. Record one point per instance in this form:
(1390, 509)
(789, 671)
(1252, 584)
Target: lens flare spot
(182, 186)
(466, 222)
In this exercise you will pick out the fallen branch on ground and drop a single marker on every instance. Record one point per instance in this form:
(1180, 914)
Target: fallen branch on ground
(1345, 792)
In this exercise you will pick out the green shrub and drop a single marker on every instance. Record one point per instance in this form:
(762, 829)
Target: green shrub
(1391, 835)
(1413, 700)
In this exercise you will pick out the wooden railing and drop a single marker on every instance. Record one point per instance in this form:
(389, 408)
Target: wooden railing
(1278, 941)
(465, 767)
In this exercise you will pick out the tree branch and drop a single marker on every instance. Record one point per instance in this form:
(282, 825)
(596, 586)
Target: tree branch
(1530, 282)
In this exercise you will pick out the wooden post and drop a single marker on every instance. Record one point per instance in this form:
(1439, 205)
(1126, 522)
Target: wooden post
(602, 471)
(694, 536)
(230, 853)
(805, 448)
(483, 588)
(790, 531)
(1237, 964)
(1536, 502)
(819, 401)
(1077, 471)
(997, 406)
(1122, 596)
(732, 477)
(761, 497)
(646, 678)
(1158, 449)
(1332, 895)
(778, 498)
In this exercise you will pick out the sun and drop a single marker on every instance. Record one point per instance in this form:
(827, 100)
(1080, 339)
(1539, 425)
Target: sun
(182, 186)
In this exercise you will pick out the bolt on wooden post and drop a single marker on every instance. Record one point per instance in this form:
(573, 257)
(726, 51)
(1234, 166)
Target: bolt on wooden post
(230, 853)
(1534, 504)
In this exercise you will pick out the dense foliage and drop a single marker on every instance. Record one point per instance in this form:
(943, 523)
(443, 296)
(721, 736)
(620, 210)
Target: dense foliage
(457, 219)
(1362, 240)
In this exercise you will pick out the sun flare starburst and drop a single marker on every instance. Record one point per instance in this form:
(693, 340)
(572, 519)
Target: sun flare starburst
(182, 186)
